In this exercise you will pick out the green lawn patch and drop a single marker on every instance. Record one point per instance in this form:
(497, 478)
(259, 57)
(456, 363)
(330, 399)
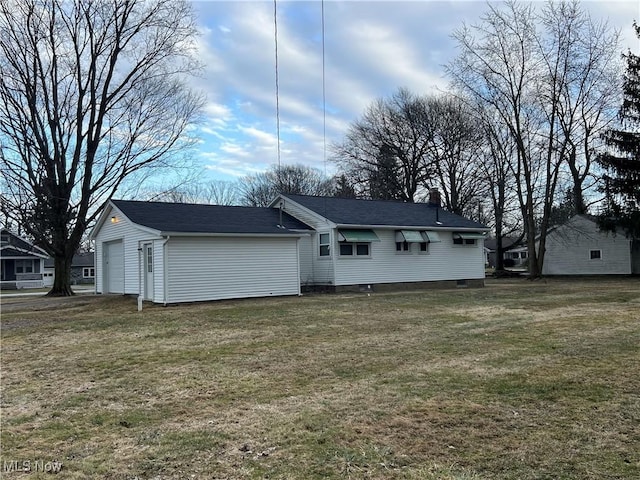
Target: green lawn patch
(517, 380)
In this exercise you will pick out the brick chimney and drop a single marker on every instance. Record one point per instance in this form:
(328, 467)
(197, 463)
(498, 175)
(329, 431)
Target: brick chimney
(434, 197)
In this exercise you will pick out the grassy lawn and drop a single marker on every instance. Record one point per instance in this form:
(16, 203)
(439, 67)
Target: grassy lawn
(517, 380)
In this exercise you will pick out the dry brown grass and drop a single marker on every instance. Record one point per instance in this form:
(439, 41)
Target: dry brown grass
(519, 380)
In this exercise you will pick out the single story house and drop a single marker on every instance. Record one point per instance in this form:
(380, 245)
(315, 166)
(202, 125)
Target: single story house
(578, 247)
(170, 252)
(22, 262)
(374, 244)
(82, 269)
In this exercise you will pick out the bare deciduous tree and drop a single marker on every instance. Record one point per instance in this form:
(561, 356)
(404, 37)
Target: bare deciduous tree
(385, 152)
(215, 192)
(90, 93)
(260, 189)
(582, 62)
(455, 149)
(538, 85)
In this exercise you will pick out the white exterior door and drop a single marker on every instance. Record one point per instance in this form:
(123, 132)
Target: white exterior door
(148, 271)
(114, 266)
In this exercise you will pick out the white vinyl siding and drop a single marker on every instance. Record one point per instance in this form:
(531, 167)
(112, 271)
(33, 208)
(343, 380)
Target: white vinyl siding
(306, 260)
(215, 268)
(385, 266)
(131, 235)
(569, 247)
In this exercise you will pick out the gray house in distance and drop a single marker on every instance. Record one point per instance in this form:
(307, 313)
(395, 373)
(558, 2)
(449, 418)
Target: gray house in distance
(578, 247)
(170, 253)
(21, 262)
(82, 269)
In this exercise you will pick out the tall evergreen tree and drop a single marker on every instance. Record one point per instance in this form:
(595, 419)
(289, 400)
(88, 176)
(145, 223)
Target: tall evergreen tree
(622, 159)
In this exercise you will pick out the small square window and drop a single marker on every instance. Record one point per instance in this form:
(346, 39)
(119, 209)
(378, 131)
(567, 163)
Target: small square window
(595, 254)
(424, 247)
(402, 247)
(362, 249)
(346, 249)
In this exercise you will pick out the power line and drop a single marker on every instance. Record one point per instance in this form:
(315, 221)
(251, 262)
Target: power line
(275, 31)
(324, 100)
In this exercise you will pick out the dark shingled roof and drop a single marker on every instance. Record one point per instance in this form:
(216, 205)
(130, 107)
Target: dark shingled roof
(196, 218)
(349, 211)
(15, 244)
(84, 259)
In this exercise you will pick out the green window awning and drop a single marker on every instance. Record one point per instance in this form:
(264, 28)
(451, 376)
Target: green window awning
(409, 236)
(431, 237)
(355, 236)
(469, 235)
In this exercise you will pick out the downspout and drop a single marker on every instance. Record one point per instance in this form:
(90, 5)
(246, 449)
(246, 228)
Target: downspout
(333, 237)
(140, 295)
(165, 270)
(95, 267)
(298, 265)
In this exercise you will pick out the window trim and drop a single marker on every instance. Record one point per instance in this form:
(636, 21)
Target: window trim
(403, 248)
(594, 250)
(464, 242)
(327, 244)
(26, 263)
(88, 269)
(354, 250)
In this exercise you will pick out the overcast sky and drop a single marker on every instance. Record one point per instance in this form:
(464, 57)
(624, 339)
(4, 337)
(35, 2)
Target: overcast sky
(371, 49)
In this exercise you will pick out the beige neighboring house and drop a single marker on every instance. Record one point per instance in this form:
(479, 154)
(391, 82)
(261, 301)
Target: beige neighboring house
(578, 247)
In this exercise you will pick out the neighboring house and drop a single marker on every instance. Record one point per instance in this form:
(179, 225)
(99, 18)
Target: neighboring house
(578, 247)
(169, 253)
(368, 244)
(511, 249)
(82, 269)
(22, 263)
(172, 252)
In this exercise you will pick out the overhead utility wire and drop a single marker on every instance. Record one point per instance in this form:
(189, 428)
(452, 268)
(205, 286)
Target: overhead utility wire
(324, 102)
(275, 30)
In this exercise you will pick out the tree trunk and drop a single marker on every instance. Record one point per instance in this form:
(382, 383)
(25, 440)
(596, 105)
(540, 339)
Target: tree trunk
(499, 246)
(62, 280)
(578, 199)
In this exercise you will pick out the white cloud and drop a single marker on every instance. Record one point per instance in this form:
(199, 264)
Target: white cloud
(371, 49)
(264, 138)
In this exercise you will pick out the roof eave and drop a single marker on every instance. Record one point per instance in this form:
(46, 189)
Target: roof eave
(447, 228)
(289, 234)
(318, 216)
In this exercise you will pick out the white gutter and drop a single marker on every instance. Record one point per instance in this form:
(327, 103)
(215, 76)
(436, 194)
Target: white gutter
(139, 275)
(414, 227)
(254, 235)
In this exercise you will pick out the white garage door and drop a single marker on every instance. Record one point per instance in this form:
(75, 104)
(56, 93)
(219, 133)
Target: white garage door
(114, 267)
